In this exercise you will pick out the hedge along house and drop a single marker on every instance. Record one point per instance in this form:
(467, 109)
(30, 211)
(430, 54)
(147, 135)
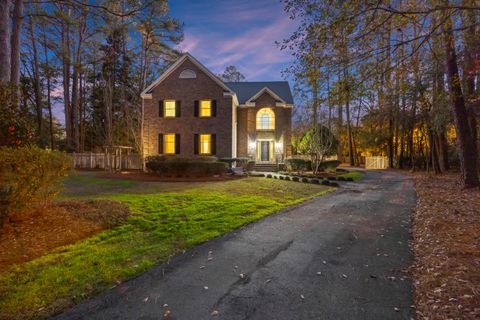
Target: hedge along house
(188, 111)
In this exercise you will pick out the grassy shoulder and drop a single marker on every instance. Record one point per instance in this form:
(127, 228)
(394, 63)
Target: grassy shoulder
(355, 175)
(162, 224)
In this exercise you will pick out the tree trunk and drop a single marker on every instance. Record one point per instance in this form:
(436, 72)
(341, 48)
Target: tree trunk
(465, 141)
(340, 126)
(36, 84)
(5, 41)
(15, 53)
(49, 87)
(472, 47)
(66, 81)
(347, 111)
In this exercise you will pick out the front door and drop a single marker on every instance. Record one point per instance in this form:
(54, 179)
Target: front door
(264, 150)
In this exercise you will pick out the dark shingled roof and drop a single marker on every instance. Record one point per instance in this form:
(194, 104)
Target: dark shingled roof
(246, 90)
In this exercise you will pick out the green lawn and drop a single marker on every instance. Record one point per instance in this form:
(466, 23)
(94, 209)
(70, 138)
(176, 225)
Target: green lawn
(355, 175)
(163, 223)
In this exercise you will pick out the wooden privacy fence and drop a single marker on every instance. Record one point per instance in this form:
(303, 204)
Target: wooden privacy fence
(107, 161)
(373, 163)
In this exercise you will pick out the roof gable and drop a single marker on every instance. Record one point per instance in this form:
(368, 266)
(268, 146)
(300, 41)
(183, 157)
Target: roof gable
(268, 91)
(146, 94)
(247, 91)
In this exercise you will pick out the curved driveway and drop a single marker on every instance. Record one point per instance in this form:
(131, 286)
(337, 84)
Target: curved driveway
(339, 256)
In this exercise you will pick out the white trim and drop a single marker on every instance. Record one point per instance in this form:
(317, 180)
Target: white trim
(173, 67)
(265, 89)
(234, 97)
(278, 104)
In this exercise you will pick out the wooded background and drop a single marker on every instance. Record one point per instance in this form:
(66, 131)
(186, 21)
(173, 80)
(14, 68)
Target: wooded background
(92, 57)
(392, 78)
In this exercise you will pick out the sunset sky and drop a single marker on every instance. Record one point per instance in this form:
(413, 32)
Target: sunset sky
(242, 33)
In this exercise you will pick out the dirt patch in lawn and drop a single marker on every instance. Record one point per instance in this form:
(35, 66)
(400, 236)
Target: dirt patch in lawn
(447, 249)
(38, 232)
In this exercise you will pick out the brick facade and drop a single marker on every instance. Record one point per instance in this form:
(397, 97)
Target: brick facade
(248, 133)
(187, 91)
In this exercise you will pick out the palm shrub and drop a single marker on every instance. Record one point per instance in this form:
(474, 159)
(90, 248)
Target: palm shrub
(29, 175)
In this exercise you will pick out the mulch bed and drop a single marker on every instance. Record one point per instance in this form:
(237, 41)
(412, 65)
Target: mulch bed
(144, 176)
(447, 249)
(39, 231)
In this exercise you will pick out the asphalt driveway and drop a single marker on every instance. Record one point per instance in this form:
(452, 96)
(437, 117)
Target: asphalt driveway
(340, 256)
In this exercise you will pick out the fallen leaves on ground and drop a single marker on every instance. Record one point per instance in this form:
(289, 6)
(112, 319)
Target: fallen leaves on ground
(447, 249)
(41, 230)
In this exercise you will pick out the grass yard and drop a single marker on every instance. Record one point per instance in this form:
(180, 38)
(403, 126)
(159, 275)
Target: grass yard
(167, 219)
(355, 175)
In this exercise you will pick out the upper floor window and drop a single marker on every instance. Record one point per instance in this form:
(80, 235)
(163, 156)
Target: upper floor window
(265, 119)
(187, 74)
(205, 108)
(169, 108)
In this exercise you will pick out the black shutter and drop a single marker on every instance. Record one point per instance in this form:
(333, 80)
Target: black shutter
(160, 143)
(214, 143)
(177, 143)
(160, 108)
(195, 108)
(178, 108)
(196, 143)
(214, 108)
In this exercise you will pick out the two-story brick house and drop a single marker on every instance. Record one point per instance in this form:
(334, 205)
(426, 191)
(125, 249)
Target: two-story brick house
(190, 112)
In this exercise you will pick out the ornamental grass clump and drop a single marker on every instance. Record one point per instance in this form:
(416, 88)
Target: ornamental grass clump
(29, 175)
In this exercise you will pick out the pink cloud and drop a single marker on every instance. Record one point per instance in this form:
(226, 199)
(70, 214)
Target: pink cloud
(253, 51)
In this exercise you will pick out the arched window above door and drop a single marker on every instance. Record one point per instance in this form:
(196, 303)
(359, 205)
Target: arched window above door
(265, 119)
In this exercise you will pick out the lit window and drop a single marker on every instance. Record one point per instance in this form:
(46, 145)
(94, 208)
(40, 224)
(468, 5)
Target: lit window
(205, 108)
(205, 144)
(169, 143)
(169, 108)
(265, 119)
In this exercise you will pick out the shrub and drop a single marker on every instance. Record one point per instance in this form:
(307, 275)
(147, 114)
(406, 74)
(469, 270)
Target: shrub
(304, 180)
(246, 163)
(325, 182)
(349, 178)
(340, 178)
(281, 177)
(308, 165)
(179, 166)
(269, 175)
(334, 184)
(315, 181)
(29, 175)
(296, 179)
(329, 166)
(295, 164)
(287, 178)
(275, 177)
